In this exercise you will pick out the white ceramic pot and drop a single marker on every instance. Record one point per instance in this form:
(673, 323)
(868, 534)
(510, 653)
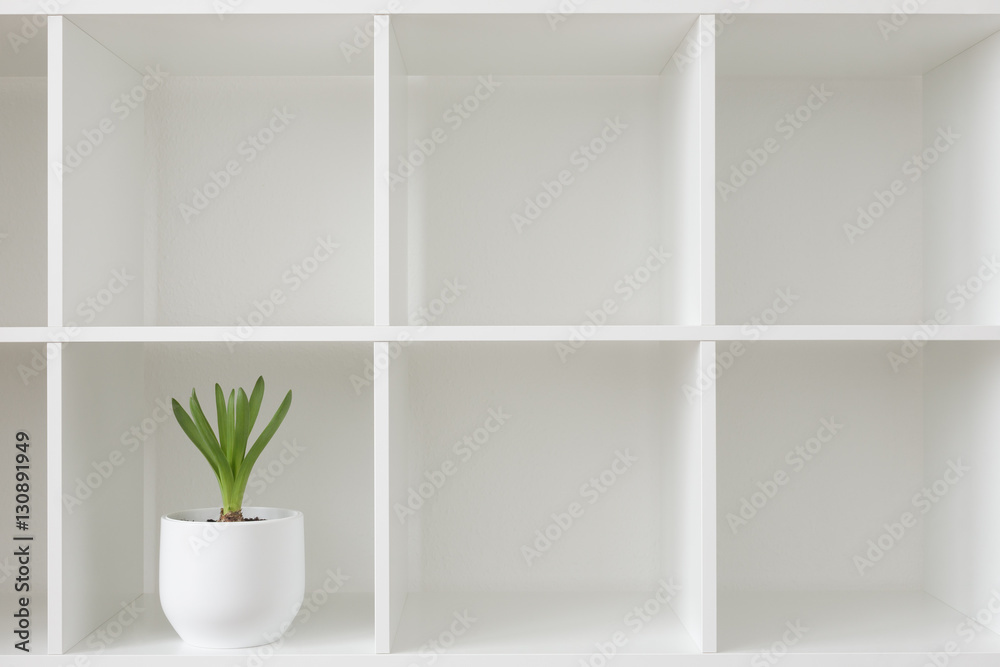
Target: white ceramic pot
(231, 585)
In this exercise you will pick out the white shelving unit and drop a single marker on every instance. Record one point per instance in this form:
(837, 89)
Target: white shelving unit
(667, 331)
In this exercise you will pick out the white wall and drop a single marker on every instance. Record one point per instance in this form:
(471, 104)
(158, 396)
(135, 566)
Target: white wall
(598, 229)
(22, 201)
(566, 423)
(771, 400)
(960, 398)
(401, 437)
(313, 180)
(784, 228)
(103, 195)
(960, 202)
(102, 481)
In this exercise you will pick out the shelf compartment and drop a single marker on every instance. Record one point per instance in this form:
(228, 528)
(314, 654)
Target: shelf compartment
(115, 408)
(826, 452)
(489, 442)
(216, 172)
(23, 173)
(851, 168)
(546, 179)
(23, 386)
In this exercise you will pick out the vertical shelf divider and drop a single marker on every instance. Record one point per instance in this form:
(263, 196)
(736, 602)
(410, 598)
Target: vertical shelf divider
(390, 199)
(390, 308)
(391, 543)
(689, 84)
(53, 428)
(706, 73)
(55, 319)
(381, 163)
(383, 512)
(710, 604)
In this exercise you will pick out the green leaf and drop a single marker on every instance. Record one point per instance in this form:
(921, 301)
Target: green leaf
(201, 421)
(211, 451)
(220, 410)
(231, 426)
(255, 398)
(258, 446)
(242, 430)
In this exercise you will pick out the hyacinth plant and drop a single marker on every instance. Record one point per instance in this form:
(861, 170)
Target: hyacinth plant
(227, 453)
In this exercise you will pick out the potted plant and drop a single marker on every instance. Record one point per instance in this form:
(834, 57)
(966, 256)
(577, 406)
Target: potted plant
(232, 577)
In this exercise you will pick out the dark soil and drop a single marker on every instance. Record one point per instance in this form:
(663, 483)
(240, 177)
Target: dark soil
(232, 517)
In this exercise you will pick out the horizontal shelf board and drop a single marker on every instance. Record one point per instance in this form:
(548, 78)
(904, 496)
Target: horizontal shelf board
(492, 333)
(845, 622)
(188, 334)
(26, 334)
(690, 333)
(505, 660)
(510, 7)
(344, 625)
(537, 623)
